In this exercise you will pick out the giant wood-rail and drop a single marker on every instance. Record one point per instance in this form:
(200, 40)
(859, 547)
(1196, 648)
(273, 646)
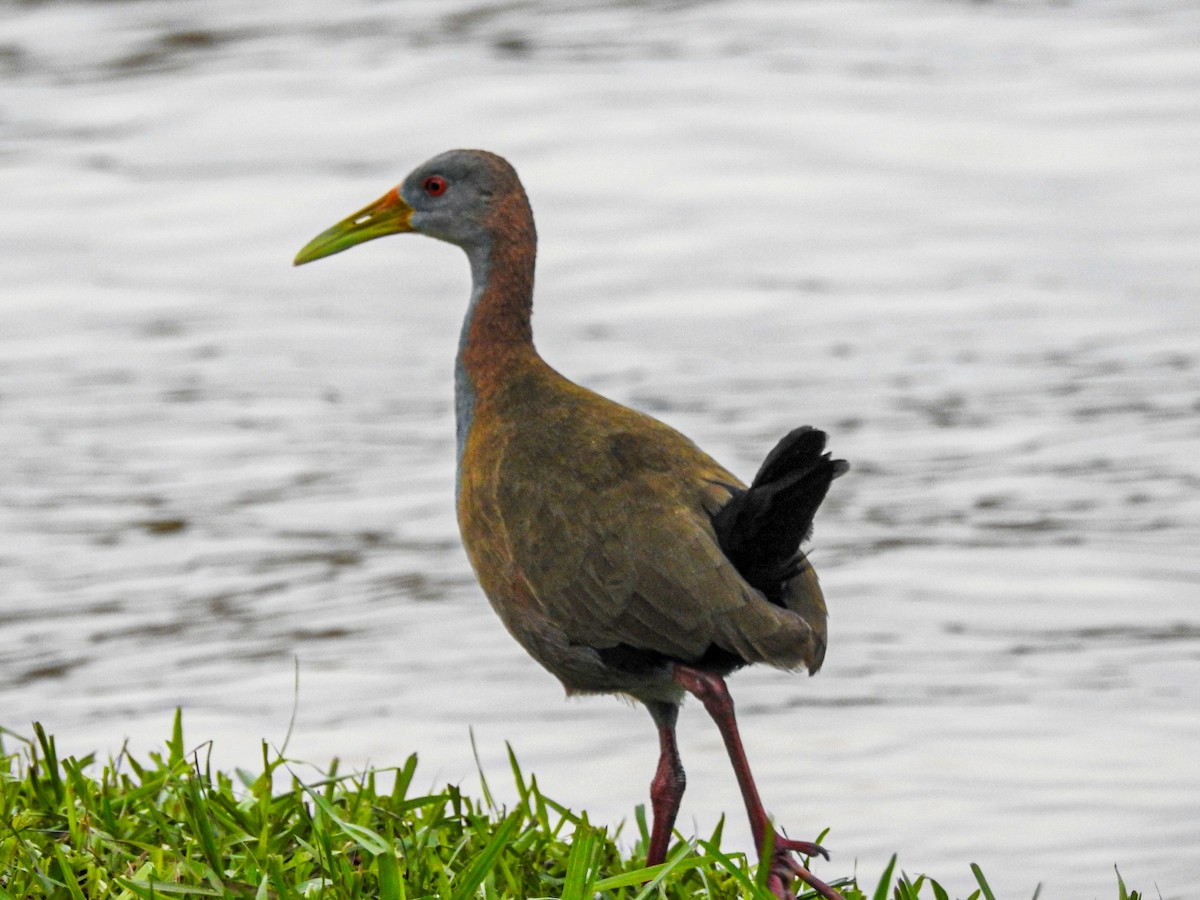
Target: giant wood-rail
(621, 557)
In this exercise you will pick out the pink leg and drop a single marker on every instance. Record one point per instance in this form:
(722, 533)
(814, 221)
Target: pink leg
(666, 790)
(710, 690)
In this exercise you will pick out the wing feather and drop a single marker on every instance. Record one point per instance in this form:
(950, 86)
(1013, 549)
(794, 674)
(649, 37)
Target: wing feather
(611, 529)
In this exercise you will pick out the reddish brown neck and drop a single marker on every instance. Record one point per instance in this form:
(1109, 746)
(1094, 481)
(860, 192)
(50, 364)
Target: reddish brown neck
(502, 295)
(497, 335)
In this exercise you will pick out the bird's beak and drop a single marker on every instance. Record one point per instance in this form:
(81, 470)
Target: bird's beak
(387, 215)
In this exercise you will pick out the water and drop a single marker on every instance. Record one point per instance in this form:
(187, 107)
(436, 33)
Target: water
(960, 236)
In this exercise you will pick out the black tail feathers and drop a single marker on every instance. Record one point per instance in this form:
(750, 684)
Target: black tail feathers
(760, 529)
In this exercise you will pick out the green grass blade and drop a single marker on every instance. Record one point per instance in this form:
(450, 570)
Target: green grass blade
(676, 862)
(369, 840)
(404, 777)
(576, 883)
(765, 852)
(49, 765)
(201, 819)
(151, 889)
(287, 737)
(885, 882)
(749, 887)
(175, 744)
(67, 874)
(391, 886)
(467, 883)
(681, 862)
(518, 776)
(983, 885)
(483, 784)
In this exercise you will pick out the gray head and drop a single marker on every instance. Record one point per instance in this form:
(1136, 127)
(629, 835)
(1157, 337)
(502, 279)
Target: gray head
(465, 197)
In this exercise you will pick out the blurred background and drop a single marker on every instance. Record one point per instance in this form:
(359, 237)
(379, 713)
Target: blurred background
(960, 236)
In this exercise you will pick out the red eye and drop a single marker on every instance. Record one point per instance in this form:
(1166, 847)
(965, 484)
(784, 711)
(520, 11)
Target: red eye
(435, 185)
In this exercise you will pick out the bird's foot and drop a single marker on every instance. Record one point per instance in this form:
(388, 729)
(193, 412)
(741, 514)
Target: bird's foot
(804, 848)
(785, 869)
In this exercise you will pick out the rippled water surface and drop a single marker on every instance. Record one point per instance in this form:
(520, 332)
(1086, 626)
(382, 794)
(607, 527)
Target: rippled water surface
(960, 236)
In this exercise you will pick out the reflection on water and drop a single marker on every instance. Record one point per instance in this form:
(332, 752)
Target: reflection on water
(961, 237)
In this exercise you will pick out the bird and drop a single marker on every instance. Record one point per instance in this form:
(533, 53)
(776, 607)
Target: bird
(621, 556)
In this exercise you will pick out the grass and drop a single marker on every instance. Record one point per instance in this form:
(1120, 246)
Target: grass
(169, 827)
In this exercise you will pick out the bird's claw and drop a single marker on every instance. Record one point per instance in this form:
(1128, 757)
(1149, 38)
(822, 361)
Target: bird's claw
(804, 848)
(785, 868)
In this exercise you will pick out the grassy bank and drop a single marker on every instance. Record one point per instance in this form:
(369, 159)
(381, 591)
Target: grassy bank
(168, 826)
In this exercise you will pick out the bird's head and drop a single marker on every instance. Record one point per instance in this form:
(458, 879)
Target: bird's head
(455, 197)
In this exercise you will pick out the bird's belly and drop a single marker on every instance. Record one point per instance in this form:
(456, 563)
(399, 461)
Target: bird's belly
(579, 667)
